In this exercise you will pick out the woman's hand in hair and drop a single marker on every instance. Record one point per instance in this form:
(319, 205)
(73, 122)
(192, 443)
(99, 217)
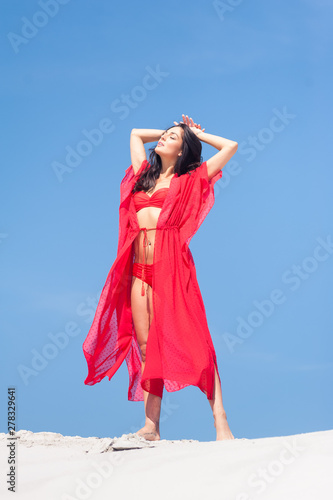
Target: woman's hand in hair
(196, 128)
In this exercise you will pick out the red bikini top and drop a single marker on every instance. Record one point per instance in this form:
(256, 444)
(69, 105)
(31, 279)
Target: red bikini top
(143, 200)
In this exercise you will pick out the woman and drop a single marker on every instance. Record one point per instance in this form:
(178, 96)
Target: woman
(151, 311)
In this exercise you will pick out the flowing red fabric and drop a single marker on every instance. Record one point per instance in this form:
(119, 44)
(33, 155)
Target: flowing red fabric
(179, 349)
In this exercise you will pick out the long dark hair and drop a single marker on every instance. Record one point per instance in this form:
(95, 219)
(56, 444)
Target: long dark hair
(189, 160)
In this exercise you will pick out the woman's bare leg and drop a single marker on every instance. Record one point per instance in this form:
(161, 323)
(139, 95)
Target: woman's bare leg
(142, 317)
(151, 429)
(220, 417)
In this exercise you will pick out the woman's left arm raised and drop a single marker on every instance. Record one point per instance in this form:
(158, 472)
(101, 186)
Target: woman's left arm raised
(226, 147)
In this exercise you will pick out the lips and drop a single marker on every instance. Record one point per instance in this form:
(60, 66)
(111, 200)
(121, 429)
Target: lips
(160, 144)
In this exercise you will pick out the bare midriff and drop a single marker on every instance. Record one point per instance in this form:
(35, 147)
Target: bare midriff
(144, 243)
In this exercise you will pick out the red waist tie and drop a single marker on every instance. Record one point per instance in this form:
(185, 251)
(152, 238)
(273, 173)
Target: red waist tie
(145, 244)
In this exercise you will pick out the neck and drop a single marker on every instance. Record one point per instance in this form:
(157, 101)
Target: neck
(167, 168)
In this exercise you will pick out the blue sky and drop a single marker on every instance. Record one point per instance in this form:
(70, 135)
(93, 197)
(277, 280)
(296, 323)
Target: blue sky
(261, 74)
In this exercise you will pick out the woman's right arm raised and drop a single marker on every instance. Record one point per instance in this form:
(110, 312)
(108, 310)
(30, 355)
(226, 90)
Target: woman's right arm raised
(139, 136)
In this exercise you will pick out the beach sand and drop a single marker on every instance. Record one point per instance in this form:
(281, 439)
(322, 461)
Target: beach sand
(51, 466)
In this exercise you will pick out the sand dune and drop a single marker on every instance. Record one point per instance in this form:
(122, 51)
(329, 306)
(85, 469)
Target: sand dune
(51, 466)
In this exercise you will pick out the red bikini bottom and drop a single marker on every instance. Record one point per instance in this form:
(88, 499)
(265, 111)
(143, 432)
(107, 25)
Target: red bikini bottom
(144, 272)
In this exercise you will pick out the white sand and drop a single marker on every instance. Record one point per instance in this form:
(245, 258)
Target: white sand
(51, 466)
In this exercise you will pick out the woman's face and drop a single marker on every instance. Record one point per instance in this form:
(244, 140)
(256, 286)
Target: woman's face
(170, 143)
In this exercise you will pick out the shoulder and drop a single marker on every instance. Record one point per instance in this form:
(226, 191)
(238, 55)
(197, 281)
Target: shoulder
(138, 171)
(200, 170)
(196, 170)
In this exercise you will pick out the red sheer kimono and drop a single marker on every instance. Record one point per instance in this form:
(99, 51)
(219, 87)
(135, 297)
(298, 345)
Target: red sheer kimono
(179, 349)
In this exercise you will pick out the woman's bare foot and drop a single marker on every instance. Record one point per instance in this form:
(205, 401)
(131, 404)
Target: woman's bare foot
(221, 425)
(151, 434)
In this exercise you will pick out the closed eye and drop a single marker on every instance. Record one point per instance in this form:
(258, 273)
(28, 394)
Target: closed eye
(172, 136)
